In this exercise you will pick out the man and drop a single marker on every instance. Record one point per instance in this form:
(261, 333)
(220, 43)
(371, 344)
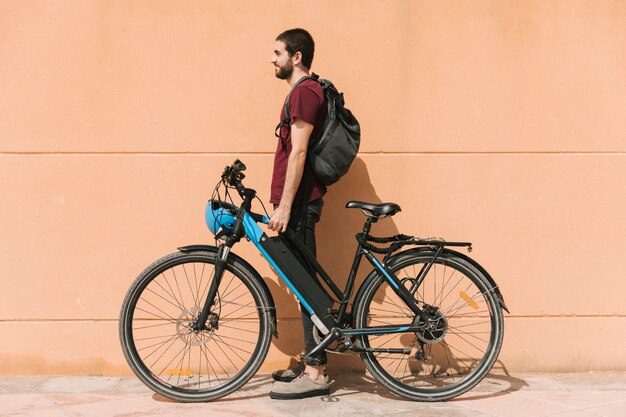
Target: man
(291, 179)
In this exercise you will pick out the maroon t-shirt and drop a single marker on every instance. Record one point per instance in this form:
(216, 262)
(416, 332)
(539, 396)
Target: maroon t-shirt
(306, 103)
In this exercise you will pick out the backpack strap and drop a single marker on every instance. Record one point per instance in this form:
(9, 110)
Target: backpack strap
(301, 227)
(287, 120)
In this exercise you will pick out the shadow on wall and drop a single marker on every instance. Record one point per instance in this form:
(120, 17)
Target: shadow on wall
(336, 231)
(336, 245)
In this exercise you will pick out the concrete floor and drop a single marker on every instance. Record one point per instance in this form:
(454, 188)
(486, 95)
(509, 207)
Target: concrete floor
(564, 395)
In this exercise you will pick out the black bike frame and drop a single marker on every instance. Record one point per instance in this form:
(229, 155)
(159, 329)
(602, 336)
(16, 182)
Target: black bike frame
(245, 225)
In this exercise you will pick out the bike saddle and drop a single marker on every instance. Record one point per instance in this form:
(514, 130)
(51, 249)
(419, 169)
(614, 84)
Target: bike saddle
(375, 210)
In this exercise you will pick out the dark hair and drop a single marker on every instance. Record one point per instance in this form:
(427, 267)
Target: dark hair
(299, 40)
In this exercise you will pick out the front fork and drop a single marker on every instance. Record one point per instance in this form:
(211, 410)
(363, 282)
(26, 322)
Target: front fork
(220, 266)
(222, 255)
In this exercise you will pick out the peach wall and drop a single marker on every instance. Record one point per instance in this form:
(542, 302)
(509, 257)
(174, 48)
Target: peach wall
(496, 122)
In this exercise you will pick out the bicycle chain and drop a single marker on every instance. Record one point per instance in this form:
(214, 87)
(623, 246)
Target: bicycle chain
(349, 352)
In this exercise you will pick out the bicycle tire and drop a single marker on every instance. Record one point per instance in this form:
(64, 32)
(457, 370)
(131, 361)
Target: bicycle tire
(457, 353)
(159, 307)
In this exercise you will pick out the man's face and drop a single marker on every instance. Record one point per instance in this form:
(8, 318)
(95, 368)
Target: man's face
(283, 67)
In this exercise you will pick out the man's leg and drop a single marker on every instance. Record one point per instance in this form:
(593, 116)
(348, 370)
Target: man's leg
(313, 381)
(315, 367)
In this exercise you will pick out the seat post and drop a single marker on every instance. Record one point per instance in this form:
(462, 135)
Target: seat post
(368, 225)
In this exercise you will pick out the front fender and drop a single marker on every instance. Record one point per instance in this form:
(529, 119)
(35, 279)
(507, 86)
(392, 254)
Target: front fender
(257, 276)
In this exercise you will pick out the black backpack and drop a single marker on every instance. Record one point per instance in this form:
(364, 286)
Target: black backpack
(332, 151)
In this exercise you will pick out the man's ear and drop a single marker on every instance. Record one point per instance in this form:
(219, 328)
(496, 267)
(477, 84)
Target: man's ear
(297, 58)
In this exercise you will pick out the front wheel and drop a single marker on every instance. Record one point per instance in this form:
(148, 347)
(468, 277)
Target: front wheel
(158, 338)
(456, 348)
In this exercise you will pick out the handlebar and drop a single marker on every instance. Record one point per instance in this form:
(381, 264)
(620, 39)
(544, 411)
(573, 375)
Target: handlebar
(233, 176)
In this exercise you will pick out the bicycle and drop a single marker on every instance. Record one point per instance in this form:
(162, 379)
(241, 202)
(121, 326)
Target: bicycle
(197, 324)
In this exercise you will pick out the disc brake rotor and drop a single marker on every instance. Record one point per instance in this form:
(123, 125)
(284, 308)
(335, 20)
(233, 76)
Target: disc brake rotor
(184, 331)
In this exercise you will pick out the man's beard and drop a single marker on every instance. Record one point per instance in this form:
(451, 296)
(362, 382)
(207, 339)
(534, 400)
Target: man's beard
(285, 71)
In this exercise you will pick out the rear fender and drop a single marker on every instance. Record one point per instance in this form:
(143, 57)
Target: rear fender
(470, 261)
(400, 255)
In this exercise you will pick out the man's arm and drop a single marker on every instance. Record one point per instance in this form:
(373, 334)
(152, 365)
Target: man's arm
(300, 134)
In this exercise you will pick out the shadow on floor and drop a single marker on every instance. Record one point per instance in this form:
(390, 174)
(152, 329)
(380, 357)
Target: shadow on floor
(346, 384)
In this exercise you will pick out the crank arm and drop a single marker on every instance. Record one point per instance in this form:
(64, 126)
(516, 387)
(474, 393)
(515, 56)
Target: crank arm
(401, 351)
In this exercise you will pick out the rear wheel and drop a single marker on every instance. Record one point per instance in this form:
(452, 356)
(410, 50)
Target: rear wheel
(459, 344)
(157, 336)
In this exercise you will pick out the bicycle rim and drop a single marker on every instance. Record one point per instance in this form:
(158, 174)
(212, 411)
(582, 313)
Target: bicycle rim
(460, 348)
(168, 355)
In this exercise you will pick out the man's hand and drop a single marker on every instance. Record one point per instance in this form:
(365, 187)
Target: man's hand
(280, 219)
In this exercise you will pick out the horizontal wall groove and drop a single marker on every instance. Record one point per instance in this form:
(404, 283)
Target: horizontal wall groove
(380, 153)
(507, 317)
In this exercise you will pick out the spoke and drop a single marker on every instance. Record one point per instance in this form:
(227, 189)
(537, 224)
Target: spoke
(197, 286)
(238, 328)
(406, 364)
(450, 347)
(179, 365)
(157, 344)
(253, 312)
(393, 359)
(193, 296)
(472, 314)
(205, 291)
(389, 311)
(209, 365)
(153, 337)
(379, 321)
(470, 343)
(232, 348)
(455, 285)
(435, 286)
(468, 325)
(232, 302)
(163, 298)
(421, 287)
(178, 287)
(470, 334)
(171, 294)
(448, 360)
(200, 367)
(171, 360)
(228, 303)
(174, 338)
(398, 367)
(154, 325)
(219, 363)
(383, 344)
(238, 340)
(168, 319)
(226, 294)
(401, 309)
(201, 294)
(224, 353)
(464, 304)
(222, 293)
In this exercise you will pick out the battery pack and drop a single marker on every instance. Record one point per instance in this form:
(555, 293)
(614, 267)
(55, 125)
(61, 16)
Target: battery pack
(301, 278)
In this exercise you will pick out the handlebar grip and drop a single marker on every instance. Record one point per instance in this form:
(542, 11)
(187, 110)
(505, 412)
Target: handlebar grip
(259, 218)
(239, 166)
